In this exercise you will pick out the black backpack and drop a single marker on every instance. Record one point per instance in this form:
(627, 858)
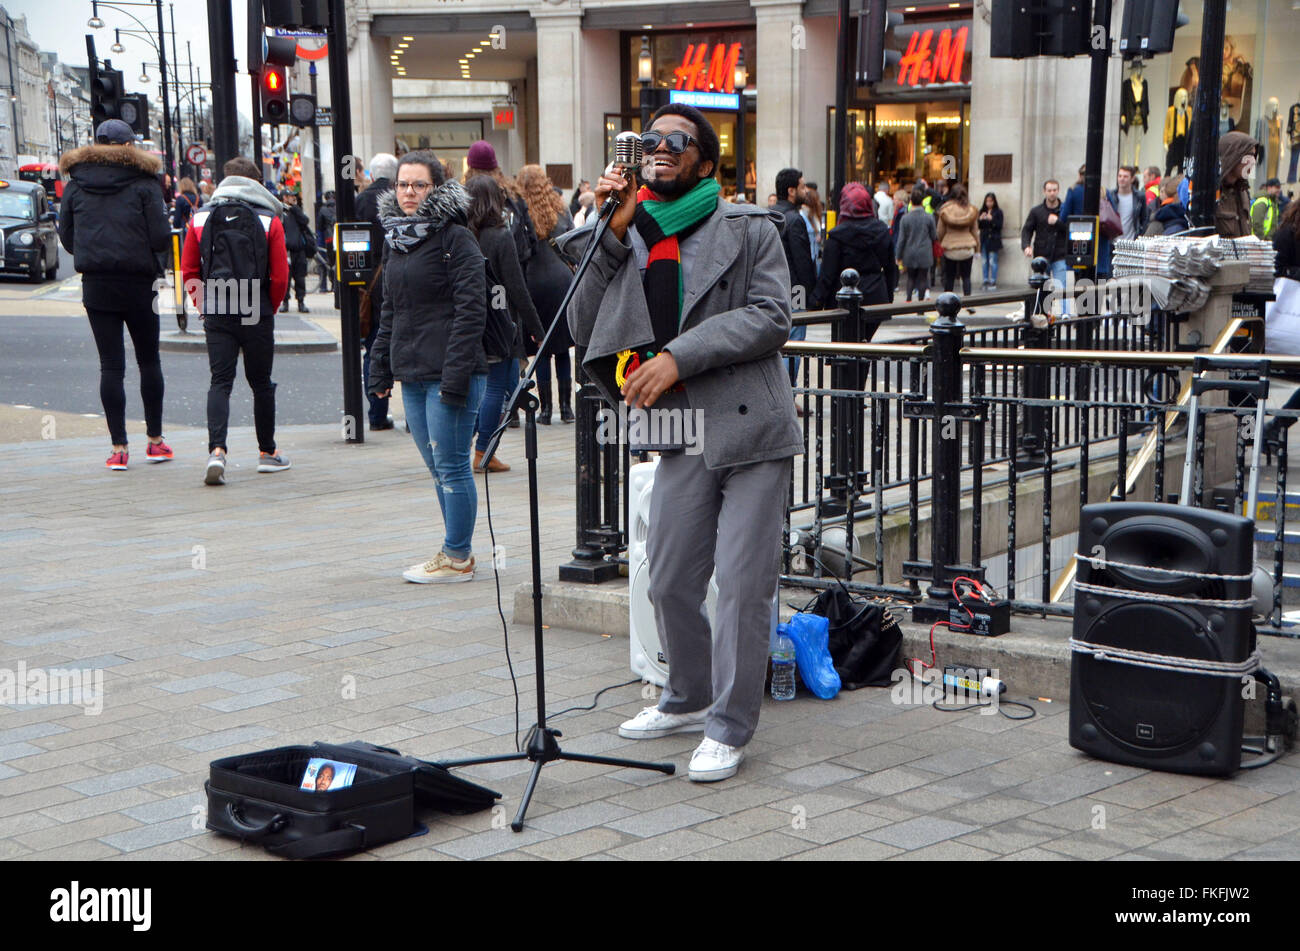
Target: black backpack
(521, 229)
(233, 248)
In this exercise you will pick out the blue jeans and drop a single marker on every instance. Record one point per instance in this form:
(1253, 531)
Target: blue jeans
(502, 378)
(797, 332)
(378, 405)
(1059, 271)
(990, 266)
(443, 433)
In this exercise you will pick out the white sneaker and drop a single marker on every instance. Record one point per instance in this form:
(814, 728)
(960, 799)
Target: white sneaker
(713, 761)
(652, 723)
(215, 474)
(441, 570)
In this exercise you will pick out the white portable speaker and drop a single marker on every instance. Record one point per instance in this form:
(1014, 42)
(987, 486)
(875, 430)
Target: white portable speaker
(647, 655)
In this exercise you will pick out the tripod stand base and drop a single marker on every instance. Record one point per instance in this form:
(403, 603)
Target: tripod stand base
(541, 747)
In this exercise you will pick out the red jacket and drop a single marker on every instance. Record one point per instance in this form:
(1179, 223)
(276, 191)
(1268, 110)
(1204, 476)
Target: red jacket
(277, 257)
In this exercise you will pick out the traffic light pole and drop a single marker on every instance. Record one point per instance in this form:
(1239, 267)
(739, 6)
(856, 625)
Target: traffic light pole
(843, 39)
(1095, 143)
(315, 150)
(255, 33)
(1204, 165)
(221, 44)
(346, 203)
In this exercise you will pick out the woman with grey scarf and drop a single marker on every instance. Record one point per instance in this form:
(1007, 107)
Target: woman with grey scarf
(431, 341)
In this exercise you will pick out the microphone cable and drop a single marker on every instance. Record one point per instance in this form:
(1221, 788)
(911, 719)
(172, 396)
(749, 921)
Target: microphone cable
(496, 577)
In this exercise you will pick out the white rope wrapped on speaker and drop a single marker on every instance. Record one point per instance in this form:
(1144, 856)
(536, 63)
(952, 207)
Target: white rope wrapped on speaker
(1183, 665)
(1130, 595)
(1098, 562)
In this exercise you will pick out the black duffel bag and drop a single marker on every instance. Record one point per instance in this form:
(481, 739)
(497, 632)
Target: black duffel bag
(256, 797)
(864, 637)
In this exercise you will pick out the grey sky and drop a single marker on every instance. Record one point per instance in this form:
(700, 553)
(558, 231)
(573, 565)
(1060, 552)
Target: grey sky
(60, 25)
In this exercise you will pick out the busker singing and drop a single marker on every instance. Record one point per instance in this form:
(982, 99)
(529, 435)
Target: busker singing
(685, 308)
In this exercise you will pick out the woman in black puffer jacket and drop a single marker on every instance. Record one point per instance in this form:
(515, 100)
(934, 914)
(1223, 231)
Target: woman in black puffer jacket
(431, 341)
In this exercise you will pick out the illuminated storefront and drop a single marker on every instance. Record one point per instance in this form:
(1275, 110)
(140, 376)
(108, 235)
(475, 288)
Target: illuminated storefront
(915, 122)
(697, 68)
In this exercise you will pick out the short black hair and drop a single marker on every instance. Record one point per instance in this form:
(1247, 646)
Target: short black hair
(426, 158)
(787, 179)
(709, 147)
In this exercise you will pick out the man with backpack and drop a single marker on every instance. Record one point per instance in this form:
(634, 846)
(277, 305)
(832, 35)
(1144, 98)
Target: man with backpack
(301, 245)
(237, 272)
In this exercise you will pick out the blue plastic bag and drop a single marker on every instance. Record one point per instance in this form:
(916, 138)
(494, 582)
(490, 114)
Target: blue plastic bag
(811, 634)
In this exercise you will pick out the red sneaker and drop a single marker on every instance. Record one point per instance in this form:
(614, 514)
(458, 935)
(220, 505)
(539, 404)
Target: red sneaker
(117, 461)
(158, 452)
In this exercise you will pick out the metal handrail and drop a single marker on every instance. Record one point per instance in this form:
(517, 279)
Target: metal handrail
(888, 311)
(1002, 355)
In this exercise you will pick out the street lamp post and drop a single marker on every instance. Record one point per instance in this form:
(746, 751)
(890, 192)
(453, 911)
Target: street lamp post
(645, 75)
(741, 114)
(95, 23)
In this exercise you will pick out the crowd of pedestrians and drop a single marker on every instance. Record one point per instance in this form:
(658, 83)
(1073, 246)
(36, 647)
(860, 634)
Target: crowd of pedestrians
(487, 250)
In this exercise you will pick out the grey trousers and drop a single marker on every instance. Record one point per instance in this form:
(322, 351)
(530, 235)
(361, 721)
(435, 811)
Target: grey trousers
(730, 520)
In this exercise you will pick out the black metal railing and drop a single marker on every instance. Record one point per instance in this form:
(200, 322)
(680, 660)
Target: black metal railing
(924, 459)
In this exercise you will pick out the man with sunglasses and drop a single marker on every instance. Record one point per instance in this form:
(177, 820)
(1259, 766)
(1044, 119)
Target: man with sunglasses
(689, 296)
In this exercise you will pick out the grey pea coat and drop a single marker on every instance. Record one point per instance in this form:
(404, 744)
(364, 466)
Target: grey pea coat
(735, 319)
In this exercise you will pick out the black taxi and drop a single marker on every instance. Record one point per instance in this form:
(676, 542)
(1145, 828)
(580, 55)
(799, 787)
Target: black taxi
(29, 238)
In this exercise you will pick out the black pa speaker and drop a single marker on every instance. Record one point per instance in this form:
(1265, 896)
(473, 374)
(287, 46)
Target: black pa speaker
(1157, 718)
(1148, 27)
(1020, 29)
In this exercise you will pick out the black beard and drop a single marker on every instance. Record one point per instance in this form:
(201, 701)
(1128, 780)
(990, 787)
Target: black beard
(686, 179)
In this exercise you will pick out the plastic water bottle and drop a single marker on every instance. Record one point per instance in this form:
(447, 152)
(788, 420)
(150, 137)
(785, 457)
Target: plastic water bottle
(783, 669)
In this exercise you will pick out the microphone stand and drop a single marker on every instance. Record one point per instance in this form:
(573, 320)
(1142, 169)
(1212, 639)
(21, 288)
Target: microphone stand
(540, 744)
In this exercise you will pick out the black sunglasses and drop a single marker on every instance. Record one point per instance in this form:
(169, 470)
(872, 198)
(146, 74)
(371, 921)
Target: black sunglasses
(678, 141)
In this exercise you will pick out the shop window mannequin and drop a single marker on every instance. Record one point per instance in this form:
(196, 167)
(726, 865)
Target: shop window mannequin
(1293, 134)
(1135, 107)
(1269, 135)
(1178, 123)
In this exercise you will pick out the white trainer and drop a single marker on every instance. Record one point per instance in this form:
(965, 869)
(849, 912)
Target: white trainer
(652, 723)
(713, 761)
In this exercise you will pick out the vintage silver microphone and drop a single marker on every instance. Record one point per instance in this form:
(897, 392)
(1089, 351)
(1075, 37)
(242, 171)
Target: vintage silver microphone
(627, 154)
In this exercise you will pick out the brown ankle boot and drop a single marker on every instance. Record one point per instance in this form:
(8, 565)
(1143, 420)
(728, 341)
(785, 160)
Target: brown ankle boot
(496, 465)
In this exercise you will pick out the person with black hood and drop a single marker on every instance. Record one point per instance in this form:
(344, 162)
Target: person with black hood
(1238, 154)
(113, 222)
(383, 167)
(861, 241)
(431, 340)
(301, 245)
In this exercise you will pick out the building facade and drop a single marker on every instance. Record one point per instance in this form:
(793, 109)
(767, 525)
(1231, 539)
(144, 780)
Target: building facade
(552, 81)
(33, 95)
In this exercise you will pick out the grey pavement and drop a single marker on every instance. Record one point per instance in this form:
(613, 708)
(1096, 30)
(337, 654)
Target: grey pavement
(272, 611)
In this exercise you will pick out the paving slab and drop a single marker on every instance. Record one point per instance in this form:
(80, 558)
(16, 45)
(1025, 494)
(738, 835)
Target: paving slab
(309, 633)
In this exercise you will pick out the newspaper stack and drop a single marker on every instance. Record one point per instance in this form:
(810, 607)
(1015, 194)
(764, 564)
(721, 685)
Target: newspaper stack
(1180, 267)
(1261, 256)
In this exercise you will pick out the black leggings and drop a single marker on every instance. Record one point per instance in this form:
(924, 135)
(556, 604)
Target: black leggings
(952, 270)
(106, 325)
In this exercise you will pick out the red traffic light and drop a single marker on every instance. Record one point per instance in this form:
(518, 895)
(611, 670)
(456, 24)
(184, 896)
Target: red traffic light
(274, 94)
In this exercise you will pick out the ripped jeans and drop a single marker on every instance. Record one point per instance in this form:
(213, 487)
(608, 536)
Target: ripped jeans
(443, 435)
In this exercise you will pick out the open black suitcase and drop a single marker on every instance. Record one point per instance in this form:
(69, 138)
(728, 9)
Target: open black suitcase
(256, 797)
